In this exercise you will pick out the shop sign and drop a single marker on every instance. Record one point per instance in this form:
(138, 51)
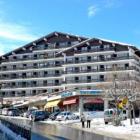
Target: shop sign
(90, 92)
(66, 94)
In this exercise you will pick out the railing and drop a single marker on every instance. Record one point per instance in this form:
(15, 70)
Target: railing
(100, 70)
(51, 46)
(33, 67)
(29, 58)
(30, 85)
(94, 50)
(31, 76)
(99, 60)
(98, 80)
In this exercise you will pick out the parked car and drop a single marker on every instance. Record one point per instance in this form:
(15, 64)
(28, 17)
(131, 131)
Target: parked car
(29, 112)
(5, 111)
(39, 115)
(54, 115)
(66, 115)
(109, 115)
(13, 112)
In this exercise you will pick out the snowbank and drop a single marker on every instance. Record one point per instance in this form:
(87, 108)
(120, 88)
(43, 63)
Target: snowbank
(126, 131)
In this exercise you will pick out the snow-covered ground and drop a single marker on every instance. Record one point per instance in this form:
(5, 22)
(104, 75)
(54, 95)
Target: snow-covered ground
(125, 131)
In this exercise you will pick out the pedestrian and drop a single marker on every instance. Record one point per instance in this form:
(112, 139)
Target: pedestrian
(88, 120)
(83, 120)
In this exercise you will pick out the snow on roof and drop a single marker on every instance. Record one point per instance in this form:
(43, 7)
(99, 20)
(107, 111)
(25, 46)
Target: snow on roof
(116, 42)
(41, 38)
(101, 39)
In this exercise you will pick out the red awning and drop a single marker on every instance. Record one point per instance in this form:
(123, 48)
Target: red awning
(70, 101)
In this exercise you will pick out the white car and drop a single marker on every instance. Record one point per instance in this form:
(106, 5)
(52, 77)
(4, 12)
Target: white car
(66, 115)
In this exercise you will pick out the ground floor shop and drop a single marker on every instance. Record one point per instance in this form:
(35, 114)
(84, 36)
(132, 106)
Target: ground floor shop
(76, 102)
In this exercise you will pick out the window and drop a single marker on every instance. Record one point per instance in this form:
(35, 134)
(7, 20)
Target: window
(69, 43)
(101, 77)
(88, 58)
(126, 65)
(76, 79)
(88, 78)
(14, 66)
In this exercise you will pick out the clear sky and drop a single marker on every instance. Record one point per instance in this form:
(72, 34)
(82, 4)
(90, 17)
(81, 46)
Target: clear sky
(22, 21)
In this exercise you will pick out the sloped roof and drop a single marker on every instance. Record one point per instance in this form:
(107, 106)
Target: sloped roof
(99, 39)
(41, 39)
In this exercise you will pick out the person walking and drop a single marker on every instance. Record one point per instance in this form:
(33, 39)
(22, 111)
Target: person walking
(88, 121)
(83, 120)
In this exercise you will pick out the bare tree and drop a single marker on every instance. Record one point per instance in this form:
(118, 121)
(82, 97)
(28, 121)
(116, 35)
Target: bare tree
(123, 90)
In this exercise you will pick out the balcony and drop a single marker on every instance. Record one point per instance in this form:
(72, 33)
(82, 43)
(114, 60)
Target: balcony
(98, 60)
(100, 70)
(94, 50)
(52, 46)
(30, 85)
(83, 81)
(31, 76)
(120, 79)
(33, 67)
(29, 58)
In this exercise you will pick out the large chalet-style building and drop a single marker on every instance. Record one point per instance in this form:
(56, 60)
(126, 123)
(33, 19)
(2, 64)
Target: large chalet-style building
(62, 61)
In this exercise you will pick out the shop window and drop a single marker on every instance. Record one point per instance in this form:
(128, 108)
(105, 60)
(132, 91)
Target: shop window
(93, 107)
(56, 90)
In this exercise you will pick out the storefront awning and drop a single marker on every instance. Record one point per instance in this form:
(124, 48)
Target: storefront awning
(95, 100)
(52, 104)
(70, 101)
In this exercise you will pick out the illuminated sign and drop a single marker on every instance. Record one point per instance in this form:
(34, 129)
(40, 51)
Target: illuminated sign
(90, 92)
(66, 94)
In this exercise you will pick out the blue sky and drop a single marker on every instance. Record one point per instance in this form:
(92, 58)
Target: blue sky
(22, 21)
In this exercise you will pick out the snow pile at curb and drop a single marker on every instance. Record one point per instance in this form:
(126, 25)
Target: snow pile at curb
(10, 133)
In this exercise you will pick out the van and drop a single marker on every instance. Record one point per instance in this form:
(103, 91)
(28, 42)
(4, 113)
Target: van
(109, 115)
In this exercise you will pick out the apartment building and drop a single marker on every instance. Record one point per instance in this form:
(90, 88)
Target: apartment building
(62, 61)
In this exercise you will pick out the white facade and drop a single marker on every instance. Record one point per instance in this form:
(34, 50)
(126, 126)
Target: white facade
(36, 69)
